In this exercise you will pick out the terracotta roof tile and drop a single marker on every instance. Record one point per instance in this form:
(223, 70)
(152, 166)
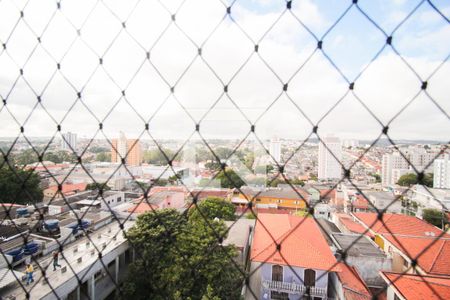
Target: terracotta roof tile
(435, 258)
(397, 224)
(353, 226)
(352, 283)
(419, 286)
(302, 243)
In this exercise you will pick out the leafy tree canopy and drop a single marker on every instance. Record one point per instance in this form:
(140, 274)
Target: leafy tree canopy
(19, 186)
(412, 178)
(229, 179)
(97, 186)
(214, 207)
(434, 217)
(180, 258)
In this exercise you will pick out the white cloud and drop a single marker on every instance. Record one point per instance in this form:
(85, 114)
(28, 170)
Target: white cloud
(385, 87)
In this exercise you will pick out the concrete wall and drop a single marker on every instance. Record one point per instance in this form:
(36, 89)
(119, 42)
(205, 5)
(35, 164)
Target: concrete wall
(369, 267)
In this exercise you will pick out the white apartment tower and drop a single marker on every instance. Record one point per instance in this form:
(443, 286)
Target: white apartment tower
(330, 154)
(441, 178)
(275, 149)
(69, 141)
(393, 162)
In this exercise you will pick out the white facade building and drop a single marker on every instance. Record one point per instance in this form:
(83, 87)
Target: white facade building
(441, 178)
(390, 163)
(275, 149)
(122, 145)
(69, 141)
(330, 155)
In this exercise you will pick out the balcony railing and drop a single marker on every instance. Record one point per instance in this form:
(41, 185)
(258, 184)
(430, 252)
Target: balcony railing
(293, 288)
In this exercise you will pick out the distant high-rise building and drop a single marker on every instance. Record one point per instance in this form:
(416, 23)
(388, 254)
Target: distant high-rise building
(330, 155)
(395, 165)
(441, 178)
(69, 141)
(134, 157)
(392, 162)
(275, 149)
(131, 149)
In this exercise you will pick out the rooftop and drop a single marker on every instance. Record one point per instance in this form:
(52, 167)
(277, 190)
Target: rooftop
(302, 243)
(397, 224)
(351, 225)
(357, 245)
(432, 254)
(419, 286)
(352, 284)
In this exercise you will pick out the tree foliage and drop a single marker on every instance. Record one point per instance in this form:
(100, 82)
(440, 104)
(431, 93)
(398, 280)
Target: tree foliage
(434, 217)
(412, 178)
(97, 186)
(19, 186)
(180, 258)
(229, 179)
(214, 207)
(103, 157)
(29, 156)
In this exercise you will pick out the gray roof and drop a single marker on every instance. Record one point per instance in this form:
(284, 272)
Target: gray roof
(357, 245)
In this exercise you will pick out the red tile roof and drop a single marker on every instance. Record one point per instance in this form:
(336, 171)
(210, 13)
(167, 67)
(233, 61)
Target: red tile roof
(361, 202)
(352, 283)
(142, 208)
(397, 224)
(68, 188)
(435, 258)
(419, 286)
(353, 226)
(302, 243)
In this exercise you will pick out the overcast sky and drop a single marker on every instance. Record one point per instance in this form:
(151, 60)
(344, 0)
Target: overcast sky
(385, 86)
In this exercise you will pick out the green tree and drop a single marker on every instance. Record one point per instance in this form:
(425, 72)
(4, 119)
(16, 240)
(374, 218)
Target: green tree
(97, 186)
(103, 156)
(213, 165)
(377, 177)
(180, 258)
(229, 179)
(411, 178)
(435, 217)
(156, 157)
(214, 207)
(25, 157)
(19, 186)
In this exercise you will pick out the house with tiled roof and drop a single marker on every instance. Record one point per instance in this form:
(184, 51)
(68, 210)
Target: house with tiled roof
(409, 286)
(290, 258)
(279, 198)
(414, 245)
(350, 285)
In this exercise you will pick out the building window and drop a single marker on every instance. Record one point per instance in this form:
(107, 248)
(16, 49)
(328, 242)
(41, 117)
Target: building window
(277, 273)
(405, 263)
(119, 199)
(310, 277)
(279, 296)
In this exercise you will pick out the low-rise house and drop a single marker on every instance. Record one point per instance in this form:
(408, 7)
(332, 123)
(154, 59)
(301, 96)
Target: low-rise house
(364, 255)
(409, 286)
(349, 285)
(280, 198)
(414, 245)
(240, 234)
(67, 189)
(431, 198)
(290, 259)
